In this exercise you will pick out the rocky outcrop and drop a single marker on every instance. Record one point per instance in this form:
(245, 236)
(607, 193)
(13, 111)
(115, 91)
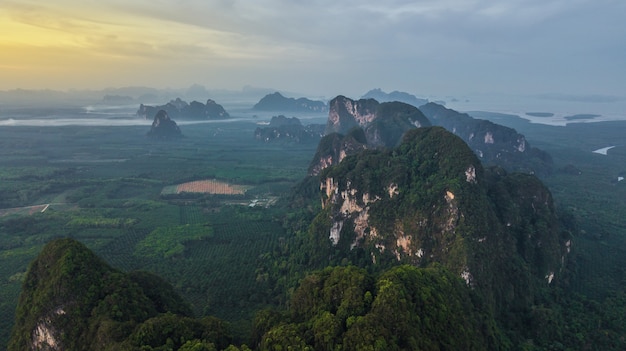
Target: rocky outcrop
(381, 96)
(333, 148)
(345, 114)
(163, 127)
(356, 125)
(494, 144)
(181, 110)
(286, 129)
(384, 124)
(277, 102)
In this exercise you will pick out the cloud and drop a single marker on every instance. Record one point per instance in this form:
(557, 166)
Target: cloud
(411, 44)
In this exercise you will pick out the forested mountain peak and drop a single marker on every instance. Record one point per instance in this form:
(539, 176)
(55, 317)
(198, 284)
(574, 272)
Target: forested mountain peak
(72, 300)
(430, 200)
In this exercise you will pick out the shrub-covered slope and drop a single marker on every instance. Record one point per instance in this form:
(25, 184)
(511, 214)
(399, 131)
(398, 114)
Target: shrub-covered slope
(405, 308)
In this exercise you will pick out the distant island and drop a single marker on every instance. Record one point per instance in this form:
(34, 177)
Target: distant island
(381, 96)
(277, 102)
(581, 116)
(540, 114)
(180, 109)
(163, 127)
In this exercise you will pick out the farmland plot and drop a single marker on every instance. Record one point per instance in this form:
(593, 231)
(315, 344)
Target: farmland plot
(210, 186)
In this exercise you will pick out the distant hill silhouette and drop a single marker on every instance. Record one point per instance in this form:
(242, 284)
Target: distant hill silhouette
(277, 102)
(381, 96)
(291, 129)
(163, 127)
(494, 144)
(181, 110)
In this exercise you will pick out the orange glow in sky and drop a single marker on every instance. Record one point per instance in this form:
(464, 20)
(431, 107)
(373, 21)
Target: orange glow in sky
(49, 46)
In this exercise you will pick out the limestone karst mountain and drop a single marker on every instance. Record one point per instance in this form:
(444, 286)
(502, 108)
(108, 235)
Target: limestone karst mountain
(72, 300)
(285, 129)
(163, 127)
(180, 109)
(494, 144)
(384, 124)
(430, 200)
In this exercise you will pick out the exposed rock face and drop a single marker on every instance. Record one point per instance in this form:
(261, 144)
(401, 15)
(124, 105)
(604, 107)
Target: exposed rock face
(493, 144)
(286, 129)
(335, 147)
(381, 96)
(345, 114)
(392, 120)
(384, 124)
(365, 124)
(277, 102)
(430, 200)
(179, 109)
(163, 127)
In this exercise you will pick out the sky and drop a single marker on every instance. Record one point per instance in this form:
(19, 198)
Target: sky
(318, 47)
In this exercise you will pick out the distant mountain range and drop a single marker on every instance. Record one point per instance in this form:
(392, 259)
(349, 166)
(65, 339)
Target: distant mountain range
(381, 96)
(494, 144)
(179, 109)
(384, 124)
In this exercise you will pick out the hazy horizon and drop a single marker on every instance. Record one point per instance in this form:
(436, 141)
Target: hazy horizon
(320, 47)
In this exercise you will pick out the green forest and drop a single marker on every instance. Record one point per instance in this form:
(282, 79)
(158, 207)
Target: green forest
(82, 210)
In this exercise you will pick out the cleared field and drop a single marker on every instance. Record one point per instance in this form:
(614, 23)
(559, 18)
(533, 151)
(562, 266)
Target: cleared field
(210, 186)
(27, 210)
